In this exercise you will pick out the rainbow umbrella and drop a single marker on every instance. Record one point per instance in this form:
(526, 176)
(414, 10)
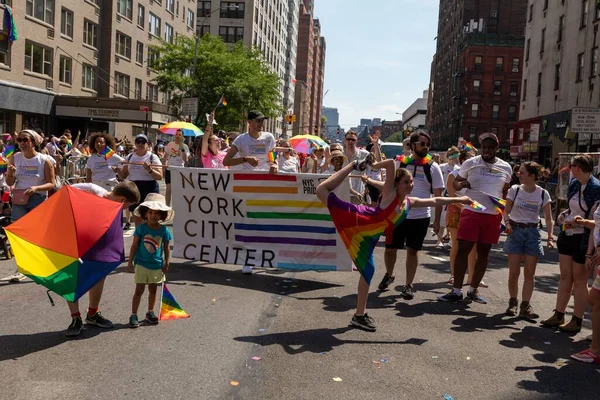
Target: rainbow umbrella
(187, 128)
(69, 242)
(305, 144)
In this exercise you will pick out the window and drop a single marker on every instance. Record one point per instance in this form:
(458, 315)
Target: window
(66, 22)
(514, 89)
(594, 66)
(478, 63)
(499, 64)
(597, 15)
(231, 34)
(203, 30)
(139, 52)
(38, 59)
(497, 88)
(524, 89)
(472, 132)
(171, 6)
(125, 8)
(516, 64)
(204, 8)
(580, 66)
(168, 33)
(88, 77)
(539, 85)
(584, 13)
(476, 86)
(90, 33)
(543, 41)
(65, 69)
(495, 111)
(152, 57)
(5, 56)
(512, 112)
(561, 27)
(530, 13)
(123, 45)
(121, 84)
(190, 18)
(557, 77)
(154, 24)
(141, 21)
(41, 9)
(527, 48)
(151, 92)
(138, 89)
(474, 110)
(232, 10)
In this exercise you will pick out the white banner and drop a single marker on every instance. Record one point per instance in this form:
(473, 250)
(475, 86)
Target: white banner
(256, 219)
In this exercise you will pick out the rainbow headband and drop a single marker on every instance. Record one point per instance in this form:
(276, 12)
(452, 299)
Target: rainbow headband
(408, 160)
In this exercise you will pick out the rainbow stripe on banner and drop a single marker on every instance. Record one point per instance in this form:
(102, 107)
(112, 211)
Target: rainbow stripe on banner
(169, 307)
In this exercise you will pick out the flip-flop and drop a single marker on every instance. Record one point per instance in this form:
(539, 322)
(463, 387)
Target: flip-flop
(586, 356)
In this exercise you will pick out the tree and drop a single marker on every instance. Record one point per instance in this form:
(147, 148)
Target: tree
(396, 137)
(234, 71)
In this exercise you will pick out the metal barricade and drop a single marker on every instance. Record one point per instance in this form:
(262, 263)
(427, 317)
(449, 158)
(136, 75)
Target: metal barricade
(72, 170)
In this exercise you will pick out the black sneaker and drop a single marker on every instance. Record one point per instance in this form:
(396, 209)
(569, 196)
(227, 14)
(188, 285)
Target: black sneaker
(386, 282)
(360, 165)
(75, 328)
(476, 297)
(151, 318)
(98, 320)
(363, 322)
(451, 297)
(133, 321)
(127, 226)
(407, 292)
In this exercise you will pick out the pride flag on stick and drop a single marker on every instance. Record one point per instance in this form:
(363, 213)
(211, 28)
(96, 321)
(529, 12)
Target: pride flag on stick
(169, 307)
(499, 204)
(477, 206)
(107, 153)
(9, 150)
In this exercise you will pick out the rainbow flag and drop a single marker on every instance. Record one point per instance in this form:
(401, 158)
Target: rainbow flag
(563, 227)
(408, 160)
(469, 146)
(9, 150)
(477, 206)
(169, 307)
(107, 153)
(499, 204)
(3, 166)
(222, 102)
(272, 156)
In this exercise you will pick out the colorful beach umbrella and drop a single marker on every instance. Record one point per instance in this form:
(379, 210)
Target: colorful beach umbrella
(188, 129)
(69, 242)
(307, 143)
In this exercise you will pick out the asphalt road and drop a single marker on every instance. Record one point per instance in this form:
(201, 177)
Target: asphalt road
(297, 323)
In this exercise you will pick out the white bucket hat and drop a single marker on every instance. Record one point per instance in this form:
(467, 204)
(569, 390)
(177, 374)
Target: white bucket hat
(157, 202)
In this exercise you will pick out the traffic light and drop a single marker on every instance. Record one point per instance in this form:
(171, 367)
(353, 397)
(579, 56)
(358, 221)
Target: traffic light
(290, 118)
(339, 132)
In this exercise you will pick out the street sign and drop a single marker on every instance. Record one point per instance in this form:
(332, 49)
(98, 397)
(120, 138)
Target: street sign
(585, 120)
(189, 106)
(534, 132)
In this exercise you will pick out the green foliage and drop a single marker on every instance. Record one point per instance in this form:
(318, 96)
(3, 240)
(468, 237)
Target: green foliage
(396, 137)
(235, 71)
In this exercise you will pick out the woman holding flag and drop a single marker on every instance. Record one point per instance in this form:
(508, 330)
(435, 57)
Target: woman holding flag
(102, 165)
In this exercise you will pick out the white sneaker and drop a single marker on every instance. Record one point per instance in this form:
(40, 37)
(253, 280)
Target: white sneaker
(17, 277)
(246, 269)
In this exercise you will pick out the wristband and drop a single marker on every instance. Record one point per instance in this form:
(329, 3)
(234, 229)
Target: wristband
(588, 256)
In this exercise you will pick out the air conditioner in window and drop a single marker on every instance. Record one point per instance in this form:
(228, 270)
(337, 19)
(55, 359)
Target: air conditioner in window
(118, 18)
(49, 84)
(97, 11)
(513, 94)
(50, 33)
(95, 55)
(496, 93)
(515, 69)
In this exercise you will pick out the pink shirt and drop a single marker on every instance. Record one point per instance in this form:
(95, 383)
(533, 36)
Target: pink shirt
(211, 161)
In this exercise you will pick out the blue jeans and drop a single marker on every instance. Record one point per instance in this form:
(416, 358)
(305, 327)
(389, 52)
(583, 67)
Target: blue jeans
(20, 211)
(527, 241)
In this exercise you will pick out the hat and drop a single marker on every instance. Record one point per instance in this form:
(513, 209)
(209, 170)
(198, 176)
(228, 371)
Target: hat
(155, 201)
(488, 135)
(141, 136)
(252, 115)
(337, 153)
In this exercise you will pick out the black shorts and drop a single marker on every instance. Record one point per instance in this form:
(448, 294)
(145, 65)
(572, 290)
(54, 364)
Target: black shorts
(411, 233)
(145, 187)
(167, 176)
(373, 192)
(571, 246)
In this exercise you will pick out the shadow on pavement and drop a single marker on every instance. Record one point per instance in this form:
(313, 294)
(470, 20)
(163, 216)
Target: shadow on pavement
(434, 307)
(315, 340)
(553, 346)
(484, 322)
(547, 284)
(571, 381)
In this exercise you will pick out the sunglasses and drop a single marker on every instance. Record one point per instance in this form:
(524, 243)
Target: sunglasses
(351, 140)
(423, 144)
(23, 140)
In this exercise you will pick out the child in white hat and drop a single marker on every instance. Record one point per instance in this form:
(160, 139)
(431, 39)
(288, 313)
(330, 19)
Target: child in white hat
(150, 253)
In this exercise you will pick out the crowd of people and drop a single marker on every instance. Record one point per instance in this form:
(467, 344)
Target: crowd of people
(474, 197)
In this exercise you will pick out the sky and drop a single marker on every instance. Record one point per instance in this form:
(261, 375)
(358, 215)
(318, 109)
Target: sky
(378, 57)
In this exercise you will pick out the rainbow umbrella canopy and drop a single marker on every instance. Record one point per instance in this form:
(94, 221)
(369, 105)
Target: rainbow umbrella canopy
(188, 129)
(69, 242)
(307, 143)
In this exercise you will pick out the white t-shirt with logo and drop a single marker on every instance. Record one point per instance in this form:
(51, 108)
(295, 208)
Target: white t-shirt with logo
(422, 188)
(101, 167)
(260, 148)
(489, 178)
(174, 154)
(527, 206)
(137, 172)
(290, 165)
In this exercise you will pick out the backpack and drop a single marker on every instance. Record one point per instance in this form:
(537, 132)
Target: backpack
(426, 171)
(519, 188)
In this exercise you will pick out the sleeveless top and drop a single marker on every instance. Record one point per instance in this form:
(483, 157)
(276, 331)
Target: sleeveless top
(30, 171)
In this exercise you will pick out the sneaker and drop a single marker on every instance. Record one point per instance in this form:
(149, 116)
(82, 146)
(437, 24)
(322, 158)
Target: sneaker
(16, 277)
(363, 322)
(554, 321)
(451, 297)
(386, 282)
(75, 328)
(151, 318)
(127, 226)
(513, 304)
(476, 297)
(133, 321)
(246, 269)
(527, 312)
(98, 320)
(360, 165)
(586, 356)
(407, 292)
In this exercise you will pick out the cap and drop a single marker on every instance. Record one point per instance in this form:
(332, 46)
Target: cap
(252, 115)
(488, 135)
(141, 136)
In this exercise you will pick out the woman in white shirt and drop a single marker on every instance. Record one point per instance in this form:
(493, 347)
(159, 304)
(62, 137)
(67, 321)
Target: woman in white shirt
(287, 159)
(523, 205)
(100, 169)
(176, 155)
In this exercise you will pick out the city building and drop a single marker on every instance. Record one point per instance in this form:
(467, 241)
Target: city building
(332, 126)
(85, 64)
(415, 115)
(560, 72)
(388, 128)
(366, 122)
(476, 73)
(289, 84)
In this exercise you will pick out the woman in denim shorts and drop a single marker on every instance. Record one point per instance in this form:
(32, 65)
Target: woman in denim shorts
(523, 205)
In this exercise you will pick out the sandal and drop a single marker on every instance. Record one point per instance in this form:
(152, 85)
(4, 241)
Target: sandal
(586, 356)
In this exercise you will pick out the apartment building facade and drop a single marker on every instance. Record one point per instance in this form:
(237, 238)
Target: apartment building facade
(561, 72)
(86, 65)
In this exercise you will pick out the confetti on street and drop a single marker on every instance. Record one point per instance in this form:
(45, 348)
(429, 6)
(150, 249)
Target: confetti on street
(234, 383)
(255, 358)
(337, 379)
